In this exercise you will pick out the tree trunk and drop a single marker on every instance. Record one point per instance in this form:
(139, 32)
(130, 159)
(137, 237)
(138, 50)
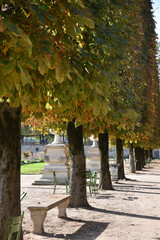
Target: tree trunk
(139, 156)
(78, 166)
(10, 157)
(145, 156)
(119, 158)
(105, 178)
(150, 154)
(132, 158)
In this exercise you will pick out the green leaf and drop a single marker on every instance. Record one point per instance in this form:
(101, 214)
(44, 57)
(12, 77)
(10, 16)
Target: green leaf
(91, 85)
(42, 67)
(5, 23)
(89, 23)
(40, 17)
(16, 76)
(2, 91)
(96, 110)
(51, 76)
(85, 21)
(9, 67)
(8, 84)
(92, 100)
(26, 39)
(14, 30)
(43, 6)
(99, 88)
(72, 88)
(30, 64)
(53, 61)
(25, 76)
(47, 61)
(70, 28)
(50, 17)
(62, 69)
(104, 108)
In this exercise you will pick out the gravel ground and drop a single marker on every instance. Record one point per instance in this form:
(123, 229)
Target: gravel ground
(130, 212)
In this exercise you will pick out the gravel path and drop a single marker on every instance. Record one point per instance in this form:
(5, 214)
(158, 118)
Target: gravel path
(130, 212)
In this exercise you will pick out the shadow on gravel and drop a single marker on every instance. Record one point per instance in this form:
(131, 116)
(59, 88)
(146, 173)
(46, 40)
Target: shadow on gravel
(105, 196)
(126, 186)
(89, 231)
(135, 191)
(124, 214)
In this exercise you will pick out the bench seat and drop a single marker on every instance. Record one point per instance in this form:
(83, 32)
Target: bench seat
(39, 210)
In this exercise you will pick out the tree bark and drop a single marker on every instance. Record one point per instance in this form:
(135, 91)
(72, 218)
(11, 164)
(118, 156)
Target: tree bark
(119, 158)
(139, 156)
(132, 158)
(145, 156)
(105, 178)
(150, 154)
(78, 166)
(10, 157)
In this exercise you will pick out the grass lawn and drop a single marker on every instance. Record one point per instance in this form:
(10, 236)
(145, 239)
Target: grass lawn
(33, 168)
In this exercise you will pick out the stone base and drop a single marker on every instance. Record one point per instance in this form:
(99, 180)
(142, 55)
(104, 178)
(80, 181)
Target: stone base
(43, 182)
(47, 178)
(60, 169)
(113, 171)
(57, 159)
(93, 159)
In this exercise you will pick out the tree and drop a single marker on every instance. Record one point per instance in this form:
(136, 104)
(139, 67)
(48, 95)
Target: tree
(10, 155)
(132, 158)
(105, 180)
(143, 130)
(33, 37)
(139, 157)
(149, 133)
(119, 158)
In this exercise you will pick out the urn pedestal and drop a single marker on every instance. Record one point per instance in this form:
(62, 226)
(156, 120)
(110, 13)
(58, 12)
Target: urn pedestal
(113, 168)
(57, 159)
(93, 158)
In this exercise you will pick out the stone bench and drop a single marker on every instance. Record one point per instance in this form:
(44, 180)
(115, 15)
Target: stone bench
(39, 210)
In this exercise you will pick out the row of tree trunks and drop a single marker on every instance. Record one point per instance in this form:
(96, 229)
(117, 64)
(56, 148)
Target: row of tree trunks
(78, 167)
(138, 155)
(10, 156)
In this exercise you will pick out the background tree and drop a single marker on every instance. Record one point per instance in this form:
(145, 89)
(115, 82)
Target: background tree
(149, 107)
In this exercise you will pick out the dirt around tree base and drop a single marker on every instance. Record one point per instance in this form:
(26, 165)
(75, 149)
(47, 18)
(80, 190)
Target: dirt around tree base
(130, 212)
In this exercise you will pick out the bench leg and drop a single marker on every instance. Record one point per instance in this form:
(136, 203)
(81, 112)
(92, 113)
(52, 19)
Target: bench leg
(38, 218)
(62, 209)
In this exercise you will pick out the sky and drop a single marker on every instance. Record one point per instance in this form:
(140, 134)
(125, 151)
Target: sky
(156, 9)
